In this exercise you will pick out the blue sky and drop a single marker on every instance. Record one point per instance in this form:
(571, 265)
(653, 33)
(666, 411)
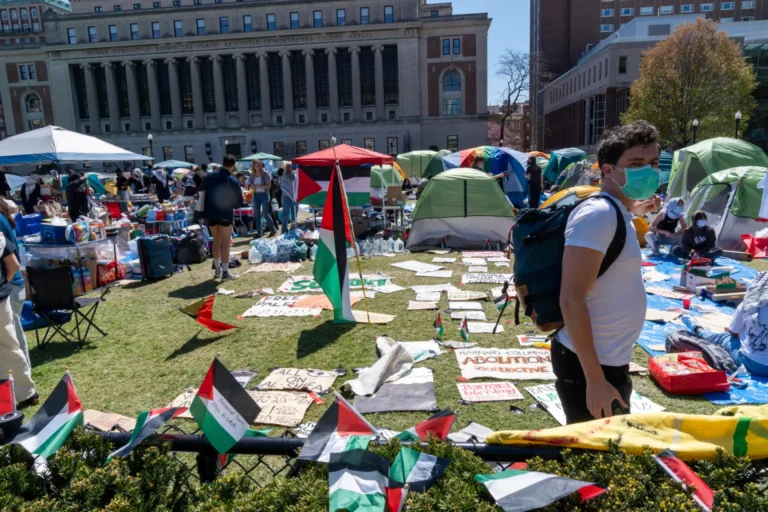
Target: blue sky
(509, 29)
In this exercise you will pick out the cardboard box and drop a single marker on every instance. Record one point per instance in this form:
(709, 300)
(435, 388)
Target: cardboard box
(361, 225)
(395, 196)
(692, 281)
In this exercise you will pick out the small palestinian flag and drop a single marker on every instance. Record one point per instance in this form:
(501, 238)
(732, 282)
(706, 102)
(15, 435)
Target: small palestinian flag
(502, 300)
(357, 480)
(439, 425)
(396, 498)
(147, 424)
(438, 327)
(202, 312)
(416, 469)
(518, 491)
(340, 429)
(681, 473)
(222, 408)
(51, 425)
(223, 459)
(464, 330)
(7, 395)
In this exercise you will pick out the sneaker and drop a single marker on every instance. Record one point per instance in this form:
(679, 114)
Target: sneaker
(226, 276)
(29, 402)
(216, 272)
(272, 233)
(692, 324)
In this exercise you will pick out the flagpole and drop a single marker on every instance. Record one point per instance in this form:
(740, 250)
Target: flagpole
(340, 178)
(506, 301)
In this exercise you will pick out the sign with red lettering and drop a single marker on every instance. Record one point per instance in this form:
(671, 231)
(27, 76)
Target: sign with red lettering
(505, 363)
(489, 391)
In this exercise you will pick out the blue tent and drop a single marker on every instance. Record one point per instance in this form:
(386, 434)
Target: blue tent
(561, 159)
(665, 165)
(494, 160)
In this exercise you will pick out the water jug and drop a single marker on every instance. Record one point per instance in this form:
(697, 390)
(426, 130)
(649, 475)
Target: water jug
(391, 244)
(254, 256)
(399, 246)
(313, 252)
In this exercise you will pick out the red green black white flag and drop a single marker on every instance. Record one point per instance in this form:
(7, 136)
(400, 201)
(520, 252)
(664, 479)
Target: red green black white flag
(684, 475)
(438, 425)
(146, 424)
(7, 395)
(438, 325)
(464, 330)
(202, 312)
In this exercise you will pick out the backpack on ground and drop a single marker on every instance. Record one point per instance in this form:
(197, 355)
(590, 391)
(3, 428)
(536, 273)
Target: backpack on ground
(190, 249)
(715, 356)
(538, 240)
(155, 256)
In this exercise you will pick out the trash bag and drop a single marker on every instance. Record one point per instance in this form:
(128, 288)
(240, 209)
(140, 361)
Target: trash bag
(299, 251)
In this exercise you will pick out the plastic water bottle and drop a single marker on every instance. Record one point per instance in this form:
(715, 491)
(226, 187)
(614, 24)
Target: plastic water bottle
(377, 249)
(399, 246)
(313, 252)
(367, 249)
(391, 244)
(254, 256)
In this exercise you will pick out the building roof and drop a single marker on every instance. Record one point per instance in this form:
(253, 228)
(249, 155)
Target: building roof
(58, 5)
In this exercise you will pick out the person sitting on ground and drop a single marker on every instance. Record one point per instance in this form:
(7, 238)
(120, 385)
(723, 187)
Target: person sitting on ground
(30, 194)
(699, 241)
(222, 194)
(663, 230)
(77, 197)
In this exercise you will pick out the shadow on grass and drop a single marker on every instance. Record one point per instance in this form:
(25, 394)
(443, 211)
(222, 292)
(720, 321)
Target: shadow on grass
(194, 343)
(315, 339)
(194, 290)
(57, 348)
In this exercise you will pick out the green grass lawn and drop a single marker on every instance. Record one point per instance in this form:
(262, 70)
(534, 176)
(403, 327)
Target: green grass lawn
(153, 352)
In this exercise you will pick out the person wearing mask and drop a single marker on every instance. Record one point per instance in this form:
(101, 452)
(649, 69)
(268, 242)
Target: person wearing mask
(162, 187)
(260, 182)
(77, 197)
(604, 315)
(663, 230)
(140, 182)
(535, 184)
(221, 195)
(123, 184)
(30, 194)
(5, 188)
(287, 187)
(699, 241)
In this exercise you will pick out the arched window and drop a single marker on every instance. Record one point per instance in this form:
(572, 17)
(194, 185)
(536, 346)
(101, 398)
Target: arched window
(4, 15)
(33, 104)
(14, 15)
(33, 12)
(23, 14)
(33, 111)
(451, 94)
(452, 82)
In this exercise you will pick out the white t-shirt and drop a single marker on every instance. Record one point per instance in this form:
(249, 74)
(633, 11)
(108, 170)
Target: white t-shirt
(753, 333)
(617, 301)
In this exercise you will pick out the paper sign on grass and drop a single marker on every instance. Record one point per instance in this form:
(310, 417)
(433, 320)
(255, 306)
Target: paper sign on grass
(280, 301)
(500, 259)
(388, 288)
(417, 266)
(528, 340)
(440, 274)
(299, 379)
(482, 254)
(469, 315)
(106, 421)
(501, 264)
(485, 278)
(465, 305)
(428, 297)
(473, 261)
(443, 260)
(434, 288)
(307, 284)
(481, 269)
(505, 363)
(657, 315)
(285, 408)
(489, 391)
(483, 328)
(275, 267)
(463, 295)
(322, 302)
(416, 305)
(376, 318)
(496, 292)
(269, 311)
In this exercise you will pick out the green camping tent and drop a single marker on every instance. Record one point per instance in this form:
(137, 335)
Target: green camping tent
(665, 166)
(559, 160)
(693, 164)
(731, 201)
(414, 163)
(579, 173)
(383, 176)
(435, 165)
(461, 208)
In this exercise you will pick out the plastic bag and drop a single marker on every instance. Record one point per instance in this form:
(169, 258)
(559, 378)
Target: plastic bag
(299, 251)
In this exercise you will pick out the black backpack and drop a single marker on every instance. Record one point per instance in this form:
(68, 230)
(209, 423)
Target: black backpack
(190, 249)
(715, 356)
(538, 240)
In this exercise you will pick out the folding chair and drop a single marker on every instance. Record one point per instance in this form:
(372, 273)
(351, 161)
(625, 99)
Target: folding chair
(52, 292)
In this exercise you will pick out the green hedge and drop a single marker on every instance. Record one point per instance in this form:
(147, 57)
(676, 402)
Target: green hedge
(151, 480)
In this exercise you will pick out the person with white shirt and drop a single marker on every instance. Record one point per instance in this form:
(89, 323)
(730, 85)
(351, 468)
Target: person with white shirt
(604, 316)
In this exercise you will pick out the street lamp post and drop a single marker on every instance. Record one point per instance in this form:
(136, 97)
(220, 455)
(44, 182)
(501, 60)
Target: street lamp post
(738, 122)
(695, 129)
(151, 148)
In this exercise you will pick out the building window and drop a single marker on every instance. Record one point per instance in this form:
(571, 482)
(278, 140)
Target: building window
(294, 20)
(134, 31)
(253, 82)
(369, 144)
(185, 86)
(446, 46)
(167, 153)
(347, 117)
(622, 65)
(14, 15)
(224, 25)
(452, 106)
(434, 14)
(136, 7)
(365, 16)
(301, 147)
(196, 2)
(36, 28)
(367, 77)
(322, 94)
(155, 5)
(722, 20)
(275, 77)
(727, 6)
(271, 24)
(392, 114)
(606, 13)
(156, 34)
(597, 117)
(317, 19)
(177, 3)
(686, 8)
(33, 12)
(189, 154)
(97, 8)
(323, 118)
(344, 74)
(453, 143)
(248, 23)
(666, 9)
(23, 14)
(451, 93)
(71, 39)
(23, 72)
(457, 46)
(229, 77)
(748, 4)
(92, 34)
(392, 146)
(279, 149)
(323, 144)
(389, 14)
(178, 28)
(206, 81)
(298, 80)
(341, 17)
(391, 76)
(646, 11)
(452, 82)
(348, 142)
(113, 32)
(302, 119)
(707, 7)
(747, 18)
(606, 27)
(200, 26)
(369, 116)
(628, 11)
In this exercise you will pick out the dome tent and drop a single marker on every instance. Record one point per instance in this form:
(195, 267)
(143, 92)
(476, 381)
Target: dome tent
(559, 160)
(415, 163)
(583, 172)
(463, 208)
(495, 161)
(435, 166)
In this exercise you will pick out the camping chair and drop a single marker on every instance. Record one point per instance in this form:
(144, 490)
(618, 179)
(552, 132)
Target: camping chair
(52, 293)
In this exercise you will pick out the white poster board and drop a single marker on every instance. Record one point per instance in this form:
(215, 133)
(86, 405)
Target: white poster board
(485, 278)
(307, 284)
(505, 363)
(489, 391)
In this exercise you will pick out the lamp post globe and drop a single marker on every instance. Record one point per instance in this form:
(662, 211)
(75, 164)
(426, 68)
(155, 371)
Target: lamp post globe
(695, 125)
(738, 122)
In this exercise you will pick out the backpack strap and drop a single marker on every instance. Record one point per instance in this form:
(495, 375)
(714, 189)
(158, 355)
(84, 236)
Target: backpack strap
(619, 239)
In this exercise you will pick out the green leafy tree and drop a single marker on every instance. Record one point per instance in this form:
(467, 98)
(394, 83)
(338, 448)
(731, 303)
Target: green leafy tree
(695, 73)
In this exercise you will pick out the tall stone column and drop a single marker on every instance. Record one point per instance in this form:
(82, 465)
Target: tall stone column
(114, 108)
(333, 84)
(173, 77)
(133, 95)
(218, 86)
(197, 92)
(242, 91)
(309, 66)
(379, 67)
(287, 88)
(357, 99)
(266, 104)
(93, 102)
(154, 95)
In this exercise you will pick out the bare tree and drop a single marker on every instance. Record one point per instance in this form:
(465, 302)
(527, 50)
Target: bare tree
(515, 67)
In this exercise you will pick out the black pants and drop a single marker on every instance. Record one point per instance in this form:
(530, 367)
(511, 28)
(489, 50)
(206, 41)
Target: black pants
(534, 196)
(571, 384)
(713, 254)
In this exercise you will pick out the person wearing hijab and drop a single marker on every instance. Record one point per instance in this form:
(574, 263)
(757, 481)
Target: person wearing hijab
(663, 230)
(77, 197)
(139, 181)
(160, 181)
(30, 194)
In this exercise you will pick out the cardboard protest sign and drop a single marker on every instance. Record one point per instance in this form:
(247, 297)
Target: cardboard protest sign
(428, 297)
(463, 295)
(299, 379)
(654, 276)
(417, 266)
(469, 315)
(184, 400)
(434, 288)
(376, 318)
(481, 278)
(271, 311)
(441, 274)
(288, 267)
(280, 301)
(482, 254)
(443, 260)
(529, 340)
(322, 302)
(498, 259)
(307, 284)
(465, 305)
(489, 392)
(636, 368)
(501, 264)
(107, 421)
(388, 288)
(481, 269)
(657, 315)
(483, 327)
(670, 294)
(283, 408)
(496, 292)
(505, 363)
(416, 305)
(473, 261)
(715, 322)
(255, 293)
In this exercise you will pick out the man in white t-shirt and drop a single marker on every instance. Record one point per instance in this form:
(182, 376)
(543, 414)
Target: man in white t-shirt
(604, 316)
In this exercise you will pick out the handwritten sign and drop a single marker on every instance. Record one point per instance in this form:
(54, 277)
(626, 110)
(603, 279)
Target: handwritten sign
(108, 421)
(322, 302)
(434, 288)
(483, 278)
(483, 327)
(465, 305)
(469, 315)
(505, 363)
(290, 266)
(489, 392)
(500, 259)
(528, 340)
(299, 379)
(480, 269)
(443, 260)
(482, 254)
(307, 284)
(283, 408)
(416, 305)
(440, 274)
(280, 301)
(184, 400)
(473, 261)
(270, 311)
(428, 297)
(417, 266)
(462, 295)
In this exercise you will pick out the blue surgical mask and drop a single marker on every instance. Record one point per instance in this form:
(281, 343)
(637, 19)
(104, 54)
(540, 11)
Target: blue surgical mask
(702, 223)
(641, 182)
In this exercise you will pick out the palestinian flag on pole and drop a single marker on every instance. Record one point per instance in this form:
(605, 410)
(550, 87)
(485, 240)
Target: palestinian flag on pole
(415, 469)
(439, 425)
(439, 327)
(681, 473)
(464, 330)
(7, 395)
(340, 429)
(502, 300)
(146, 424)
(51, 425)
(225, 458)
(202, 312)
(331, 269)
(396, 498)
(222, 408)
(314, 184)
(357, 480)
(516, 490)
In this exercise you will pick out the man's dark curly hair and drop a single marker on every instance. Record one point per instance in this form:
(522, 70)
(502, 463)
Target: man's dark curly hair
(616, 141)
